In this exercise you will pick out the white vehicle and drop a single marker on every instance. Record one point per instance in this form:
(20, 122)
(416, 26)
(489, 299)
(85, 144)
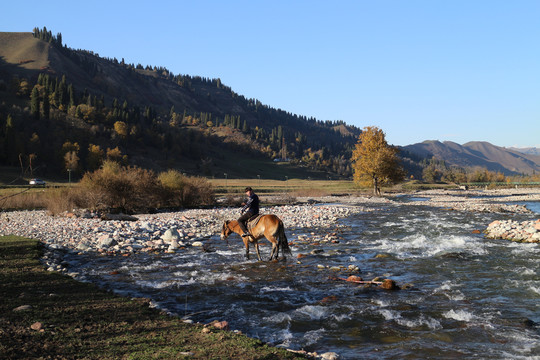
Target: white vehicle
(37, 182)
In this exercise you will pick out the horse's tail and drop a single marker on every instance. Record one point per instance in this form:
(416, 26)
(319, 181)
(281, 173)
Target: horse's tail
(282, 239)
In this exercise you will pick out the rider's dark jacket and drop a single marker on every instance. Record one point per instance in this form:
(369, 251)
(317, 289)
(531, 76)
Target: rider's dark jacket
(252, 205)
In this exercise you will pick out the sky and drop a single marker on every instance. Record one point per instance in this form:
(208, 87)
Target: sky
(456, 70)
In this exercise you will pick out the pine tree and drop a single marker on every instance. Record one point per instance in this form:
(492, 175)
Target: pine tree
(34, 103)
(46, 105)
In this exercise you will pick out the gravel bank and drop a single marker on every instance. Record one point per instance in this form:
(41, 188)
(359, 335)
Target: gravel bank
(168, 232)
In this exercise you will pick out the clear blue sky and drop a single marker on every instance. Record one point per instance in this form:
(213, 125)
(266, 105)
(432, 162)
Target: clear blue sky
(420, 70)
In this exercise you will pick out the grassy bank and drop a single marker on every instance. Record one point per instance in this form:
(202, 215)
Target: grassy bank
(80, 321)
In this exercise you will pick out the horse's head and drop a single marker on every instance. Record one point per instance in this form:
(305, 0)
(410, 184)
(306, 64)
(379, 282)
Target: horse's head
(225, 230)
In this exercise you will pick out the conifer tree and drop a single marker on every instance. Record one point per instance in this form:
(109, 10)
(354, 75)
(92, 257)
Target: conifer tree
(34, 103)
(46, 105)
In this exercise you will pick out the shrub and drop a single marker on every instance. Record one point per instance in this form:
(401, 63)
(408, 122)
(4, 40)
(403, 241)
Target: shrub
(179, 190)
(127, 189)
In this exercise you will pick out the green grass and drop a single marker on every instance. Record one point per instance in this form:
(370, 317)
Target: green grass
(80, 321)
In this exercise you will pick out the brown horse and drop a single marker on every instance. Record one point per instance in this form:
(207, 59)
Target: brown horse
(269, 226)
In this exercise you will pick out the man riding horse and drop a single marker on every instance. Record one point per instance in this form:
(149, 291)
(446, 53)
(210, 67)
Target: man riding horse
(250, 209)
(268, 226)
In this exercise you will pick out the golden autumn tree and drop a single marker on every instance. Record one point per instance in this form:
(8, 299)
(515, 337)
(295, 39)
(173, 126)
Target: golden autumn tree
(374, 161)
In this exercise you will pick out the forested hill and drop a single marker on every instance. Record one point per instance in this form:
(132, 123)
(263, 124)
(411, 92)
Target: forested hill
(64, 108)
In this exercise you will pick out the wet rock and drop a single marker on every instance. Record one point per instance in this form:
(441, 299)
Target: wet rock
(23, 308)
(389, 284)
(329, 299)
(353, 268)
(329, 356)
(354, 278)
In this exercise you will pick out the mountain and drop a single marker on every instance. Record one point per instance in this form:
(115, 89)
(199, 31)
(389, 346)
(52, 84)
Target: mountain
(477, 154)
(58, 100)
(526, 150)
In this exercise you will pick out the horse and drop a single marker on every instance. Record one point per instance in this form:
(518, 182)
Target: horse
(268, 226)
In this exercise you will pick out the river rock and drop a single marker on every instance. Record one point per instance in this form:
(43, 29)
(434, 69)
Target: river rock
(105, 241)
(23, 308)
(170, 235)
(329, 356)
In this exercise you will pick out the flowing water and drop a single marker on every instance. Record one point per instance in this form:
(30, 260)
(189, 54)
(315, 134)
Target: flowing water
(472, 297)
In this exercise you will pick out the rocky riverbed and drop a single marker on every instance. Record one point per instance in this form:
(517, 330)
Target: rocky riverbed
(162, 232)
(82, 231)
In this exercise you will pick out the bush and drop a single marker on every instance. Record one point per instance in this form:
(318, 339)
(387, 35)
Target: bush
(132, 189)
(179, 190)
(126, 189)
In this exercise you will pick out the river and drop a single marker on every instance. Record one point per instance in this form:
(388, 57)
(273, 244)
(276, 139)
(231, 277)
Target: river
(470, 297)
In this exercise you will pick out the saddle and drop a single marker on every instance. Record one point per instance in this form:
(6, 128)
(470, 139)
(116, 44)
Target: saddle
(253, 221)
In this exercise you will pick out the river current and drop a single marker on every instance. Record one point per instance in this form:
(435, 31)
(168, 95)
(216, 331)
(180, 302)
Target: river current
(470, 298)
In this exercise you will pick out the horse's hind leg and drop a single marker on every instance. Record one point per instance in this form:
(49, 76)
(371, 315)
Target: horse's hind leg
(275, 252)
(275, 248)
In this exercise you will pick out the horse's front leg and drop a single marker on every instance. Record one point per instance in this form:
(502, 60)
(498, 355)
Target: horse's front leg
(246, 244)
(257, 249)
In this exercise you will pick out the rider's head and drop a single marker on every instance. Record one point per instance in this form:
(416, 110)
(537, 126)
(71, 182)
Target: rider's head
(248, 190)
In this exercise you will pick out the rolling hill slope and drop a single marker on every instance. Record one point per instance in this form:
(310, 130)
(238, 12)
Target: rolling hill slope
(478, 154)
(156, 118)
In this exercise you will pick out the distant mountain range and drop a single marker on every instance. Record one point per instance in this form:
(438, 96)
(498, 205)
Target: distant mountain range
(509, 161)
(527, 150)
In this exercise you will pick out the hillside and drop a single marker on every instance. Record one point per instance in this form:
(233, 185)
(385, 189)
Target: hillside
(477, 154)
(57, 100)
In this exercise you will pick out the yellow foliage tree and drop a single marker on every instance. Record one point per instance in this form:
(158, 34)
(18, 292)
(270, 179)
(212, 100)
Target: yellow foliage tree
(116, 155)
(374, 161)
(121, 128)
(95, 156)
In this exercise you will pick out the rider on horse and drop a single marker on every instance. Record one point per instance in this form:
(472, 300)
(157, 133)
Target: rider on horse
(250, 209)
